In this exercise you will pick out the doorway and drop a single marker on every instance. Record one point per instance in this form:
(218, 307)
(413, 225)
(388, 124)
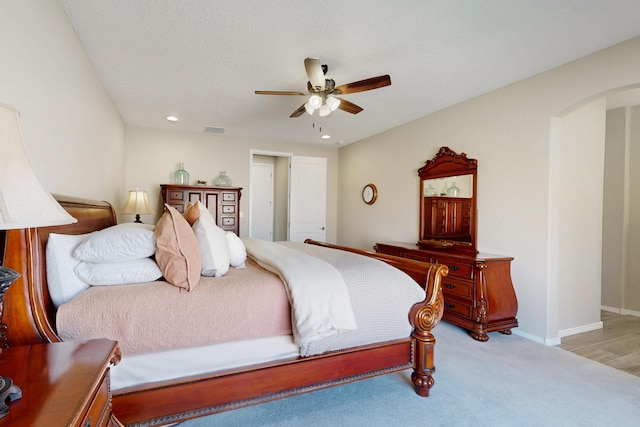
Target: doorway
(262, 189)
(287, 197)
(269, 196)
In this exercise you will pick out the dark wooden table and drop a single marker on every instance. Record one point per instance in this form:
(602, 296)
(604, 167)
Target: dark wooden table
(63, 384)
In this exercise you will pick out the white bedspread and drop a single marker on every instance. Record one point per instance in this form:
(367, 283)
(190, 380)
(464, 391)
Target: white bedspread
(320, 302)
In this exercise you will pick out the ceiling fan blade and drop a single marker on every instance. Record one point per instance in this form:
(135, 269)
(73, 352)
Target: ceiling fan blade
(349, 107)
(298, 112)
(314, 73)
(362, 85)
(278, 92)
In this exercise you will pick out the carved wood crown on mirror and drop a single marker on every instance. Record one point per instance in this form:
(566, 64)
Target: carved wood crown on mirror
(448, 202)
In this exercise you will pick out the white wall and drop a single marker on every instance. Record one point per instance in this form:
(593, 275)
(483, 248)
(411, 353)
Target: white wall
(153, 155)
(509, 131)
(621, 237)
(615, 210)
(631, 293)
(575, 214)
(73, 133)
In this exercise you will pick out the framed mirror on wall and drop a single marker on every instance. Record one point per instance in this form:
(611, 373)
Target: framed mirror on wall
(448, 200)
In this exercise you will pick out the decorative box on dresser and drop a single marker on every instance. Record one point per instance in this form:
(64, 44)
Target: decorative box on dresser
(222, 202)
(62, 383)
(478, 292)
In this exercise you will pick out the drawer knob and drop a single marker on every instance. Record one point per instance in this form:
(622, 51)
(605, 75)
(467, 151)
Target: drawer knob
(449, 286)
(449, 305)
(453, 267)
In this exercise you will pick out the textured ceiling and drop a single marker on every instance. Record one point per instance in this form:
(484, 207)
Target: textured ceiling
(202, 60)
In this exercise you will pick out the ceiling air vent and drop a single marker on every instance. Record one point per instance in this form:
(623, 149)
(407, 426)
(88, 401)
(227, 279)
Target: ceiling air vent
(214, 129)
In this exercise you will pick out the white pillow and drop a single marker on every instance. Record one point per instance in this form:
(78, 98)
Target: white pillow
(118, 273)
(237, 251)
(212, 240)
(122, 242)
(62, 282)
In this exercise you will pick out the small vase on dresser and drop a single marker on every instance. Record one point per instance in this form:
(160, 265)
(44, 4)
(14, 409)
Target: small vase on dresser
(181, 176)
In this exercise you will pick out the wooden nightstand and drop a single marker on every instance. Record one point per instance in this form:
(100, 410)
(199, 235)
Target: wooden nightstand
(63, 384)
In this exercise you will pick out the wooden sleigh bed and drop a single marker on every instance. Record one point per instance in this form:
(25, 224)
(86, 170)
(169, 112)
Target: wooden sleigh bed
(30, 316)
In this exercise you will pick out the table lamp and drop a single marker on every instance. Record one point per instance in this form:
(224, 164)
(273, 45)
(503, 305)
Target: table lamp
(24, 203)
(137, 203)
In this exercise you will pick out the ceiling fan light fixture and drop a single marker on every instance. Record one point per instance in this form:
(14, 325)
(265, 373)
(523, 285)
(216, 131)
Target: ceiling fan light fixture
(320, 90)
(325, 110)
(315, 101)
(332, 102)
(309, 108)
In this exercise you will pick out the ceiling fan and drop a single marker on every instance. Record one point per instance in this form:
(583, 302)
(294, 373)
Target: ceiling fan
(322, 91)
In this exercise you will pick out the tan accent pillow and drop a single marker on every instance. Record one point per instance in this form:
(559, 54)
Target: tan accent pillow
(192, 213)
(177, 253)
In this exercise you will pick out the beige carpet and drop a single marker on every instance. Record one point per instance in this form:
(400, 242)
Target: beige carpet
(507, 381)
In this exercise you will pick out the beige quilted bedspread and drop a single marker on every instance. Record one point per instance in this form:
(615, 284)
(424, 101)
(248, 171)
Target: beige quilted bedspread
(247, 303)
(243, 304)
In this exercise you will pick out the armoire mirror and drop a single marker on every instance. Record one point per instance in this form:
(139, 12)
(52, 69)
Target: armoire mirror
(448, 197)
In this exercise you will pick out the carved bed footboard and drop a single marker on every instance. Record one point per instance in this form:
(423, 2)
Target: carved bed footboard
(31, 318)
(424, 316)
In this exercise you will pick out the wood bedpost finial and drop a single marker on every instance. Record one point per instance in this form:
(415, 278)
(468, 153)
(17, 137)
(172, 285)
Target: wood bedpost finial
(424, 316)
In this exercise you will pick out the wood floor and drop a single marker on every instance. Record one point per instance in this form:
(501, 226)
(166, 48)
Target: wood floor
(617, 344)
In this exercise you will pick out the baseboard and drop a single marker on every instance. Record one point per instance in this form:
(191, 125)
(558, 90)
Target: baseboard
(535, 338)
(580, 329)
(622, 311)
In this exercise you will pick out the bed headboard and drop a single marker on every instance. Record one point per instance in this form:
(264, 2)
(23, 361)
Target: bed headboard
(28, 310)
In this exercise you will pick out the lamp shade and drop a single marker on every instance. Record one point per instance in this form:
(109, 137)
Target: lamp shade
(24, 202)
(137, 203)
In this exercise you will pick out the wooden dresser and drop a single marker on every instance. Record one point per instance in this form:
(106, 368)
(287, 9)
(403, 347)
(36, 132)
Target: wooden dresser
(63, 384)
(478, 292)
(222, 202)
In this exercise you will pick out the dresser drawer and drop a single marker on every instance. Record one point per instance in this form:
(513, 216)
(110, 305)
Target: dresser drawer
(178, 206)
(454, 286)
(457, 267)
(418, 256)
(452, 305)
(175, 195)
(99, 412)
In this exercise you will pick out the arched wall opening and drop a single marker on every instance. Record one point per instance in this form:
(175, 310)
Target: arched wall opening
(591, 198)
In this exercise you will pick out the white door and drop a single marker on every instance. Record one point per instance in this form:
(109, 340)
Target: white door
(308, 201)
(261, 201)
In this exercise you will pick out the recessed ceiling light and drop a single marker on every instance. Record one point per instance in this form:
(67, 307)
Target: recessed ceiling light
(326, 136)
(172, 118)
